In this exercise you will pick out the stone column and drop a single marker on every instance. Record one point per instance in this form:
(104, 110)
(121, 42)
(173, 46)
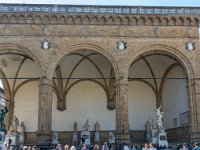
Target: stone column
(44, 112)
(194, 113)
(8, 121)
(122, 122)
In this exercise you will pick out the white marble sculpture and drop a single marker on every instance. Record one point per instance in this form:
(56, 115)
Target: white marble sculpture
(111, 137)
(55, 138)
(159, 115)
(15, 123)
(97, 127)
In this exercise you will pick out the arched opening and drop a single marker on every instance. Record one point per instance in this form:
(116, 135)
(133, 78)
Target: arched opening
(159, 78)
(20, 84)
(84, 88)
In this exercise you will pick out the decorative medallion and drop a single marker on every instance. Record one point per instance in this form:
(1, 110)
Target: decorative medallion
(190, 46)
(46, 45)
(121, 45)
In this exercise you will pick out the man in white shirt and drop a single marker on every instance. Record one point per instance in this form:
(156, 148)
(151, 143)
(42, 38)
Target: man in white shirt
(125, 147)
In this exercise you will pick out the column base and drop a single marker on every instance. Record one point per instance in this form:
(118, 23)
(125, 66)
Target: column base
(123, 138)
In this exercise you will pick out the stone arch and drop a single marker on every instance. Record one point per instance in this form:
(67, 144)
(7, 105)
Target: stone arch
(21, 19)
(110, 20)
(13, 19)
(37, 19)
(14, 48)
(86, 20)
(94, 20)
(181, 58)
(62, 19)
(126, 21)
(78, 20)
(74, 48)
(133, 21)
(70, 20)
(19, 50)
(157, 21)
(29, 19)
(187, 68)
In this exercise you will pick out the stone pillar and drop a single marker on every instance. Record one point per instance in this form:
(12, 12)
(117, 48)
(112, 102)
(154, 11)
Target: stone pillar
(122, 122)
(194, 113)
(10, 114)
(44, 112)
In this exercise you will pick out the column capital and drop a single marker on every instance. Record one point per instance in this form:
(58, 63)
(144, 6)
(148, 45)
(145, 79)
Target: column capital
(45, 81)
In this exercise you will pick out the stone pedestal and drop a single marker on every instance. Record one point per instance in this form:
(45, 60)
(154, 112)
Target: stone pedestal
(86, 135)
(75, 138)
(162, 140)
(154, 136)
(97, 137)
(21, 139)
(14, 139)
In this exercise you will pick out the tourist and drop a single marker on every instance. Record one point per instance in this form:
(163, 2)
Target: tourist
(105, 146)
(145, 147)
(96, 147)
(184, 147)
(84, 147)
(66, 147)
(196, 146)
(59, 147)
(151, 147)
(125, 147)
(72, 148)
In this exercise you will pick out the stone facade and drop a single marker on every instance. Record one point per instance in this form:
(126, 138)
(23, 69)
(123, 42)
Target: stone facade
(24, 33)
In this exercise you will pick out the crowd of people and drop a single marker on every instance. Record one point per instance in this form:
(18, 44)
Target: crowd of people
(105, 146)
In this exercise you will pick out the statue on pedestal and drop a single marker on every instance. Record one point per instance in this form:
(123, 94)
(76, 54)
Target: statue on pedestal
(111, 138)
(75, 135)
(86, 126)
(55, 138)
(75, 126)
(15, 123)
(155, 132)
(97, 127)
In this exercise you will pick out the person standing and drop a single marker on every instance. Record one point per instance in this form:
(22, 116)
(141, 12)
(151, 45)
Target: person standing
(59, 147)
(126, 146)
(84, 147)
(96, 147)
(66, 147)
(196, 146)
(146, 146)
(151, 147)
(105, 146)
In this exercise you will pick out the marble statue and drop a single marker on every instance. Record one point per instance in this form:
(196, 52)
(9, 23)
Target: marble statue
(15, 123)
(86, 126)
(55, 137)
(97, 126)
(75, 126)
(148, 128)
(111, 137)
(159, 115)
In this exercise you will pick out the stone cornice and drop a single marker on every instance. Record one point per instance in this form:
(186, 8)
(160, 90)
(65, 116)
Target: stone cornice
(84, 9)
(99, 19)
